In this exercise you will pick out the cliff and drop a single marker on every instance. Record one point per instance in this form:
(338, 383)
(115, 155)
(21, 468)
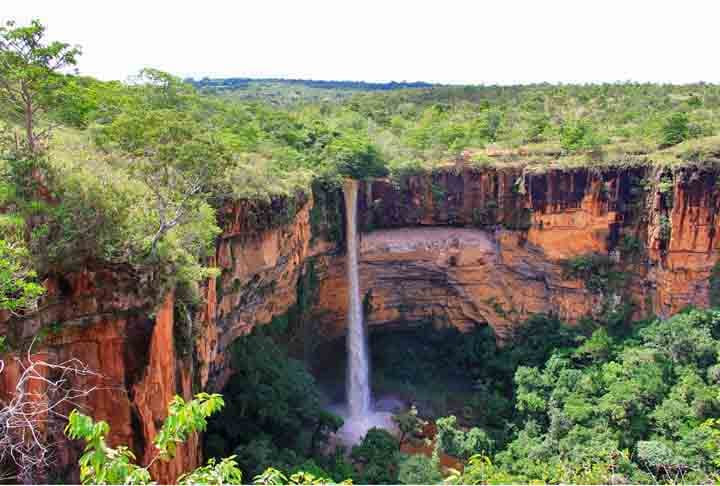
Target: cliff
(461, 246)
(470, 247)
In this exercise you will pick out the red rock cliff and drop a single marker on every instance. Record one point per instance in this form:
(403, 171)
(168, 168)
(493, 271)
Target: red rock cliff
(461, 246)
(470, 246)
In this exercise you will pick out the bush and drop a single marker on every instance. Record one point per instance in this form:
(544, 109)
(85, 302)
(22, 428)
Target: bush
(378, 455)
(272, 414)
(578, 136)
(460, 444)
(598, 272)
(419, 469)
(675, 129)
(355, 156)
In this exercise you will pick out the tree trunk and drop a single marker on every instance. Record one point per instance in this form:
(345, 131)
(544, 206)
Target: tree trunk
(29, 127)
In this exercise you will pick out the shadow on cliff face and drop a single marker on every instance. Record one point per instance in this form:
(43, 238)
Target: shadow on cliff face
(443, 371)
(410, 364)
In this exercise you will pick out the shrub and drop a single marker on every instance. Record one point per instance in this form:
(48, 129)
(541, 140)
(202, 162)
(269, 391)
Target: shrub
(598, 272)
(378, 454)
(577, 136)
(272, 414)
(419, 469)
(461, 444)
(355, 156)
(675, 129)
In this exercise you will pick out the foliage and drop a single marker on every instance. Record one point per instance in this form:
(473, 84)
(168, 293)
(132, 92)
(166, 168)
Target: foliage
(102, 464)
(630, 246)
(272, 414)
(378, 454)
(185, 418)
(665, 226)
(409, 424)
(419, 469)
(29, 77)
(215, 473)
(480, 470)
(19, 289)
(273, 476)
(645, 393)
(592, 405)
(675, 129)
(178, 158)
(714, 281)
(138, 170)
(353, 155)
(459, 443)
(597, 271)
(439, 362)
(576, 136)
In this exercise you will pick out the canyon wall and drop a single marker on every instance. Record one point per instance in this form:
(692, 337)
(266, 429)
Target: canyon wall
(473, 247)
(460, 246)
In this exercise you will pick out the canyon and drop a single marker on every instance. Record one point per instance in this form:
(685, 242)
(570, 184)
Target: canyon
(462, 246)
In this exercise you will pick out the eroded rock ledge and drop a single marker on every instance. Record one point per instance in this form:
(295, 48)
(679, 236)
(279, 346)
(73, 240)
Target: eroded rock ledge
(461, 246)
(458, 276)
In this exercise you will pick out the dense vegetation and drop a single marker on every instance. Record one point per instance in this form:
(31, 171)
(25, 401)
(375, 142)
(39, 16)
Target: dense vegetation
(640, 408)
(273, 415)
(95, 173)
(583, 404)
(294, 91)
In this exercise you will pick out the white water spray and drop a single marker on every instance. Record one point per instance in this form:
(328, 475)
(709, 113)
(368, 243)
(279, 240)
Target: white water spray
(358, 369)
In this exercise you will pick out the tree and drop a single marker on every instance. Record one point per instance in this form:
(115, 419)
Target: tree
(378, 454)
(577, 136)
(409, 424)
(30, 70)
(272, 476)
(102, 464)
(481, 470)
(35, 409)
(177, 157)
(272, 414)
(458, 443)
(326, 423)
(419, 469)
(675, 129)
(354, 155)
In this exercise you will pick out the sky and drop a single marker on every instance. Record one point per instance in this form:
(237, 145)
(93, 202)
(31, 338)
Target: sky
(443, 41)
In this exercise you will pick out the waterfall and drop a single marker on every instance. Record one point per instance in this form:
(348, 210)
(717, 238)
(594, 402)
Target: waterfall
(358, 413)
(358, 368)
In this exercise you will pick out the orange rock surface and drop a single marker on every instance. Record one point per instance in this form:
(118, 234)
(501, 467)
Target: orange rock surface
(461, 246)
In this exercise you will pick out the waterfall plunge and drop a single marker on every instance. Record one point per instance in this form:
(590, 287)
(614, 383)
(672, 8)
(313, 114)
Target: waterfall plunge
(359, 415)
(358, 370)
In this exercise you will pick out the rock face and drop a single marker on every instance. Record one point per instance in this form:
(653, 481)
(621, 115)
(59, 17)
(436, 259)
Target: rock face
(460, 246)
(457, 276)
(112, 321)
(525, 229)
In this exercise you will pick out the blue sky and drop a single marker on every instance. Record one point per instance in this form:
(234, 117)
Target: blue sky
(448, 41)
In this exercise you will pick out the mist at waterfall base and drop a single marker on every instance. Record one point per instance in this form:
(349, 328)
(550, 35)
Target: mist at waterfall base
(359, 411)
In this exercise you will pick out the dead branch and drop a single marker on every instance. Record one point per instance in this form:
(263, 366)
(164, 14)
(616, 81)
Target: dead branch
(32, 419)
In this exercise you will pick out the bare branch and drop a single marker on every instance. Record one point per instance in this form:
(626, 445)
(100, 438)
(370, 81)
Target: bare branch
(36, 412)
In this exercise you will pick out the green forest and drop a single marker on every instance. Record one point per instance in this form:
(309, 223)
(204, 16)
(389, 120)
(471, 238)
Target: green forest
(582, 405)
(136, 172)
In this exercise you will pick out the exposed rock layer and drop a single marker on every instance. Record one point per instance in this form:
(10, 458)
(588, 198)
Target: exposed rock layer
(461, 246)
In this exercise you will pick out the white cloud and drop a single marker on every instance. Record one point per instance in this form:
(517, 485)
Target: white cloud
(490, 41)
